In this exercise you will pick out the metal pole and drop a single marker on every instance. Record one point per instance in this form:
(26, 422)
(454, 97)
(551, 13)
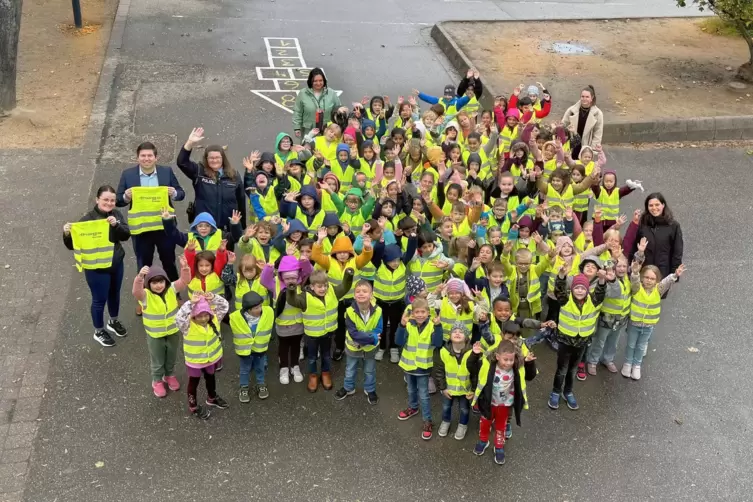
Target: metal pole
(77, 13)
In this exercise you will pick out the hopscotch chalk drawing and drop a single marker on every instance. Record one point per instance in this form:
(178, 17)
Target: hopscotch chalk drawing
(287, 71)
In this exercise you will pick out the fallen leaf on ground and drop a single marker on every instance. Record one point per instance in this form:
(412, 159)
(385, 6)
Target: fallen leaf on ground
(99, 464)
(693, 349)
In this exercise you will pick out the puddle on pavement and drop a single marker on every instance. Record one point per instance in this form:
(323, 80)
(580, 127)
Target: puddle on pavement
(576, 49)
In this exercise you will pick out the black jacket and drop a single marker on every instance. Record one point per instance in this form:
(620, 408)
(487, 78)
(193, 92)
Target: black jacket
(485, 399)
(216, 197)
(118, 233)
(664, 247)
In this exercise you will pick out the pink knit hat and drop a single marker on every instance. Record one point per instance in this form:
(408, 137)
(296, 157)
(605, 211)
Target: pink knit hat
(456, 285)
(513, 112)
(201, 307)
(350, 131)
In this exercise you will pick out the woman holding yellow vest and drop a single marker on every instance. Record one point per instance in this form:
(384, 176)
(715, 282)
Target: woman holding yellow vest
(95, 241)
(647, 289)
(158, 299)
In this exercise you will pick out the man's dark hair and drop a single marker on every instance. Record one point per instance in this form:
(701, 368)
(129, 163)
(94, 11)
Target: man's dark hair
(146, 145)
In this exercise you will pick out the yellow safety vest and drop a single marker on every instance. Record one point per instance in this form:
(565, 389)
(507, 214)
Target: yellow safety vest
(328, 150)
(534, 290)
(417, 352)
(609, 203)
(245, 340)
(211, 244)
(291, 156)
(159, 313)
(258, 251)
(645, 308)
(212, 283)
(295, 185)
(369, 326)
(448, 315)
(496, 330)
(367, 273)
(471, 106)
(578, 322)
(557, 265)
(483, 376)
(461, 230)
(618, 306)
(506, 138)
(290, 316)
(456, 373)
(201, 345)
(378, 121)
(336, 274)
(147, 203)
(354, 220)
(316, 222)
(389, 285)
(581, 201)
(320, 317)
(268, 202)
(431, 274)
(549, 167)
(92, 248)
(484, 158)
(554, 198)
(243, 286)
(580, 243)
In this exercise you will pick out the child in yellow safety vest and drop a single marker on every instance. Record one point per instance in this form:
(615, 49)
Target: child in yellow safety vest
(608, 196)
(257, 241)
(647, 289)
(453, 376)
(252, 328)
(499, 379)
(199, 321)
(363, 322)
(159, 301)
(245, 280)
(319, 303)
(204, 234)
(418, 334)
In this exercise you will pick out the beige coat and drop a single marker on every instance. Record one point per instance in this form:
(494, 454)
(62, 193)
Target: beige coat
(594, 124)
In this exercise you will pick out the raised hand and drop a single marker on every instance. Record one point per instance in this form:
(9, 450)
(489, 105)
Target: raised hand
(144, 270)
(250, 231)
(236, 218)
(67, 229)
(367, 244)
(223, 245)
(230, 257)
(637, 216)
(197, 134)
(292, 196)
(291, 249)
(321, 234)
(680, 270)
(642, 245)
(382, 222)
(477, 349)
(183, 262)
(191, 245)
(112, 221)
(365, 228)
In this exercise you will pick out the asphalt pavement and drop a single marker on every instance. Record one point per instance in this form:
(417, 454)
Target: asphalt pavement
(682, 432)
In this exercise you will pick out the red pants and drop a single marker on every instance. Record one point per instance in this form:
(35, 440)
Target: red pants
(499, 418)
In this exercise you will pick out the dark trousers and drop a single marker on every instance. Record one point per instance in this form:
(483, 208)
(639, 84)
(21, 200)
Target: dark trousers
(568, 358)
(193, 386)
(317, 347)
(553, 308)
(143, 247)
(104, 284)
(392, 313)
(340, 331)
(288, 348)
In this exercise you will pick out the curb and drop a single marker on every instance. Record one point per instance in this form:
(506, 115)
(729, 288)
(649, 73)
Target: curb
(670, 130)
(93, 139)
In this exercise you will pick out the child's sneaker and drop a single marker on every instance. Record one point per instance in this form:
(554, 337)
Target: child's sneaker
(480, 448)
(627, 368)
(220, 366)
(159, 388)
(297, 375)
(591, 369)
(460, 432)
(508, 430)
(426, 433)
(554, 400)
(444, 428)
(104, 338)
(218, 402)
(611, 367)
(262, 392)
(394, 356)
(284, 376)
(114, 326)
(372, 397)
(499, 456)
(379, 354)
(475, 410)
(200, 412)
(172, 383)
(407, 413)
(581, 373)
(338, 355)
(243, 395)
(571, 402)
(636, 374)
(343, 393)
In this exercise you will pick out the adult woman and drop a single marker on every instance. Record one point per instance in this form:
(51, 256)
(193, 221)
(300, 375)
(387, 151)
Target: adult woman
(218, 188)
(663, 234)
(104, 283)
(314, 106)
(587, 120)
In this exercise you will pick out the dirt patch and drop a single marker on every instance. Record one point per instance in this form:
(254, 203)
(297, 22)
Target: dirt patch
(58, 73)
(641, 69)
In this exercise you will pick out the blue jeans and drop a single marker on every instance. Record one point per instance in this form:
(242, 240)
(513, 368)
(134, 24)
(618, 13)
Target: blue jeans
(604, 344)
(321, 345)
(369, 373)
(257, 362)
(418, 390)
(463, 405)
(637, 342)
(104, 284)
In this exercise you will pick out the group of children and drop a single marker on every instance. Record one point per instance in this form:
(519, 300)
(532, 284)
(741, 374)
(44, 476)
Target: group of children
(447, 240)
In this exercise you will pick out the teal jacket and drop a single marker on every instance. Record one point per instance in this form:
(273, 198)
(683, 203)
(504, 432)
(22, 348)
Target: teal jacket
(306, 104)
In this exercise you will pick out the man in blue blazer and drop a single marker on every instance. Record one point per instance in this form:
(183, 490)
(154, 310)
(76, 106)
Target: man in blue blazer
(149, 174)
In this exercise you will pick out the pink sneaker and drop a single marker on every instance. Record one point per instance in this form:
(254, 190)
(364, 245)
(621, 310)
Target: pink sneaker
(171, 382)
(159, 389)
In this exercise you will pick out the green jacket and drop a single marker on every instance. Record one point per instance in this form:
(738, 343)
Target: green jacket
(306, 104)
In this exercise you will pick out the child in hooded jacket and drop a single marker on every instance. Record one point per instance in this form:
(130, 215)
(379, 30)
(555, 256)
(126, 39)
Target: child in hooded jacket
(261, 195)
(292, 234)
(203, 232)
(453, 375)
(305, 207)
(158, 299)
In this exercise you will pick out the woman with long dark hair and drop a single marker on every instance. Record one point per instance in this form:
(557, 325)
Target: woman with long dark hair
(663, 235)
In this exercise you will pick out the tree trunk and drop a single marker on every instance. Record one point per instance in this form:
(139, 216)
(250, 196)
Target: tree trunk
(10, 25)
(745, 71)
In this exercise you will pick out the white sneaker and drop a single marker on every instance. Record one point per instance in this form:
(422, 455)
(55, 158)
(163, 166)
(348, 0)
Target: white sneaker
(284, 376)
(636, 373)
(394, 356)
(444, 428)
(379, 355)
(297, 375)
(626, 370)
(460, 432)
